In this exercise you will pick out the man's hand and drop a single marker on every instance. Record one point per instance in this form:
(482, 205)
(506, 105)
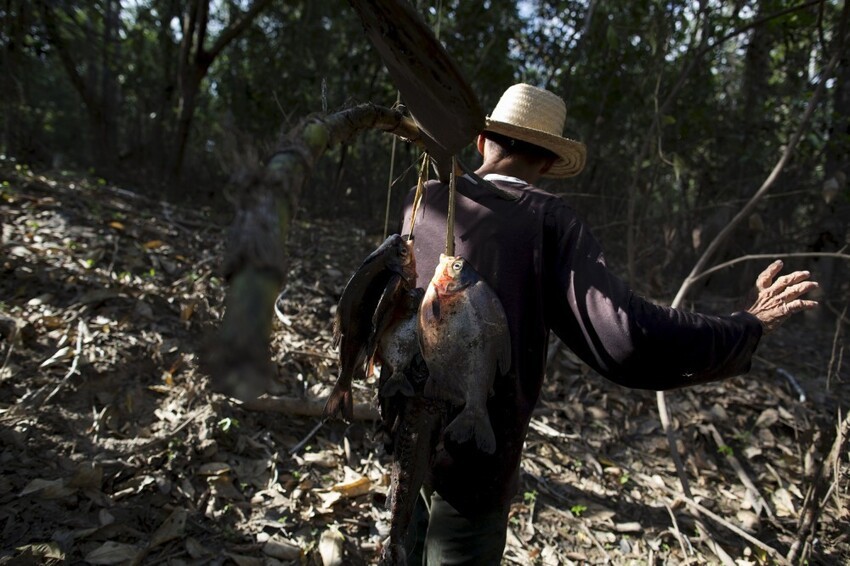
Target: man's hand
(777, 300)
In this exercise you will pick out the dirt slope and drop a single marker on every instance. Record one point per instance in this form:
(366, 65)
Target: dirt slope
(114, 450)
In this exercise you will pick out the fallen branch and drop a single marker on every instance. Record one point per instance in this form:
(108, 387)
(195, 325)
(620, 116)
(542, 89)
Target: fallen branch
(306, 407)
(759, 501)
(835, 365)
(816, 499)
(698, 509)
(792, 381)
(73, 369)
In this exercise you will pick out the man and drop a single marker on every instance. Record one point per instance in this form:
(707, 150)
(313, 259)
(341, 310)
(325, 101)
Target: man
(550, 274)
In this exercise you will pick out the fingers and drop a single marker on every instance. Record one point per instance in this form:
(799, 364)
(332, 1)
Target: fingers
(795, 291)
(791, 279)
(765, 278)
(802, 305)
(779, 299)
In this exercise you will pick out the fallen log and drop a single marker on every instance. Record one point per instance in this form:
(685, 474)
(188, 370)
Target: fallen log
(306, 407)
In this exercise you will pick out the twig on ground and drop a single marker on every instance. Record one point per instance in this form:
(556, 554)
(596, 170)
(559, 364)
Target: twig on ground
(697, 509)
(795, 385)
(801, 395)
(204, 410)
(295, 449)
(305, 407)
(664, 415)
(595, 541)
(759, 501)
(677, 533)
(12, 336)
(833, 368)
(546, 430)
(815, 499)
(73, 369)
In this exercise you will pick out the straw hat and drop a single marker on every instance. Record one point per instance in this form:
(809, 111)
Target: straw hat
(537, 116)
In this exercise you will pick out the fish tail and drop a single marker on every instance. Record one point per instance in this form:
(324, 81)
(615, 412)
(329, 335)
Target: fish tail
(432, 390)
(341, 402)
(397, 384)
(469, 425)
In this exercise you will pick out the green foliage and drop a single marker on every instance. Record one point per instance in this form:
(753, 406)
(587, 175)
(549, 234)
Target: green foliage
(227, 424)
(577, 510)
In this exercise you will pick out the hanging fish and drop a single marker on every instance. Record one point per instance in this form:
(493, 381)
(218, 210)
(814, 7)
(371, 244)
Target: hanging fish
(391, 266)
(464, 338)
(395, 348)
(415, 437)
(395, 340)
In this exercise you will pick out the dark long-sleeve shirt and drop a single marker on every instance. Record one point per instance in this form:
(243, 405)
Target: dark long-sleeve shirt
(550, 274)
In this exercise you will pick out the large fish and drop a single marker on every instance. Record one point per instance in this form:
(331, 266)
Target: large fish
(391, 266)
(464, 338)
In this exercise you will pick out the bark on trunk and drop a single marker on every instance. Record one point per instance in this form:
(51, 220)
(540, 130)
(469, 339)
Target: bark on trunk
(256, 262)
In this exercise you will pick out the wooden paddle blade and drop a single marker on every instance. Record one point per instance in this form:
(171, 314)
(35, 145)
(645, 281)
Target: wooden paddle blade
(433, 89)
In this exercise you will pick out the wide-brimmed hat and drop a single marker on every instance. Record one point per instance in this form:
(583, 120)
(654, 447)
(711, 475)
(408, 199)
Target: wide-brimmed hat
(537, 116)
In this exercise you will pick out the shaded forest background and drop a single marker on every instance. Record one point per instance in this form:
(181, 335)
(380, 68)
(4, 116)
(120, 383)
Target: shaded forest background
(125, 128)
(685, 107)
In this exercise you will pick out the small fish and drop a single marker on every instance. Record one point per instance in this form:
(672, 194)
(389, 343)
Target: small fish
(390, 266)
(395, 338)
(415, 437)
(464, 338)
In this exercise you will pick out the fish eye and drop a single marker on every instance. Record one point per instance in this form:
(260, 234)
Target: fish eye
(457, 266)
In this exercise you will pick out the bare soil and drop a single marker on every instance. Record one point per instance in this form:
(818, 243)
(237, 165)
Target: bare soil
(114, 449)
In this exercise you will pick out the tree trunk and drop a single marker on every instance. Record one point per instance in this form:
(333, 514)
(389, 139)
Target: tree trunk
(12, 94)
(90, 89)
(834, 208)
(195, 61)
(109, 89)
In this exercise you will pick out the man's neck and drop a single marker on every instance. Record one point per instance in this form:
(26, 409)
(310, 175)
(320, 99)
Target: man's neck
(510, 168)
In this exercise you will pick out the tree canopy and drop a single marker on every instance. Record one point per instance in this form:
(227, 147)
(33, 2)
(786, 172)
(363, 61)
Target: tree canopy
(685, 106)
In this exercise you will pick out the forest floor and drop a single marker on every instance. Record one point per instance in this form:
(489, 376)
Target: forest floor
(114, 449)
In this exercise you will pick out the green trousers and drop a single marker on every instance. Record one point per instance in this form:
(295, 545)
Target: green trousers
(439, 535)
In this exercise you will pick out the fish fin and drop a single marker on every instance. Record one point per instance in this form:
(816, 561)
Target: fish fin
(384, 309)
(431, 390)
(397, 384)
(340, 402)
(337, 330)
(470, 425)
(435, 308)
(503, 356)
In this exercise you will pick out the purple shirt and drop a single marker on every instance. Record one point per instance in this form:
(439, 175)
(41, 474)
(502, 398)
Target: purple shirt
(550, 274)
